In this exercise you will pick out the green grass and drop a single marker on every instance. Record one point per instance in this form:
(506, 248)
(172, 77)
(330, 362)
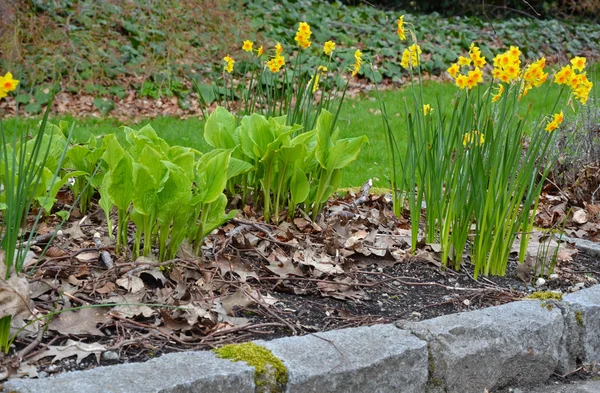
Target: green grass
(359, 116)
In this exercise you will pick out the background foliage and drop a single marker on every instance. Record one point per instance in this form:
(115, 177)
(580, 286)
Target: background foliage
(105, 48)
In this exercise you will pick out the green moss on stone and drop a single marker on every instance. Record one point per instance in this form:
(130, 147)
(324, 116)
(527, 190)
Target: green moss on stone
(270, 373)
(579, 317)
(545, 295)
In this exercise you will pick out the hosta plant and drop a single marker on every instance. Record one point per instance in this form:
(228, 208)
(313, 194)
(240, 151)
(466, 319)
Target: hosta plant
(288, 170)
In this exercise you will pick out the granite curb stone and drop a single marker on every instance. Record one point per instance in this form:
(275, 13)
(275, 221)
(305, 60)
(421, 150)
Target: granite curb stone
(186, 372)
(518, 344)
(376, 359)
(582, 315)
(515, 344)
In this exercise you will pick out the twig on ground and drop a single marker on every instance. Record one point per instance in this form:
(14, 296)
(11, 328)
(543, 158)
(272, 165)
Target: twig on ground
(32, 345)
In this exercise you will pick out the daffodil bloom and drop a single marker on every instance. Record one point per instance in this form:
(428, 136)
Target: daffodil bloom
(427, 109)
(464, 61)
(401, 32)
(275, 64)
(534, 74)
(247, 46)
(411, 56)
(507, 65)
(497, 96)
(259, 52)
(514, 51)
(358, 61)
(7, 84)
(578, 63)
(228, 64)
(329, 47)
(562, 77)
(461, 81)
(557, 119)
(303, 35)
(453, 70)
(278, 49)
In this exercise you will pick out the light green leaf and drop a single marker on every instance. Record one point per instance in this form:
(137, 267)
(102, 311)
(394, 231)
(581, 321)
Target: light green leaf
(299, 187)
(120, 183)
(220, 129)
(145, 196)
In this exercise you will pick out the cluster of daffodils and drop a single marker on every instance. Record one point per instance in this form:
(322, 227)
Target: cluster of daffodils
(556, 120)
(411, 56)
(533, 76)
(578, 82)
(473, 64)
(303, 35)
(278, 61)
(474, 137)
(507, 65)
(228, 64)
(7, 84)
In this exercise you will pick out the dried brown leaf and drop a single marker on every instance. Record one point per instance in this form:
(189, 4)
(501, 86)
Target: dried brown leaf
(234, 264)
(83, 321)
(71, 348)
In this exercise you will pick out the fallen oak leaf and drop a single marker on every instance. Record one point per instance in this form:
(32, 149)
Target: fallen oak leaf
(235, 265)
(132, 284)
(71, 348)
(83, 321)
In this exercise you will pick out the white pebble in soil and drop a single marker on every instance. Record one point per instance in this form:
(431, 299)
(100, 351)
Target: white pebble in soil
(110, 355)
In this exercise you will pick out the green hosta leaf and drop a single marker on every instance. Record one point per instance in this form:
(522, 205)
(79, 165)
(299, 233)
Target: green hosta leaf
(255, 136)
(344, 152)
(289, 154)
(145, 185)
(299, 186)
(212, 174)
(120, 183)
(113, 151)
(152, 160)
(260, 137)
(149, 132)
(215, 214)
(76, 158)
(46, 203)
(324, 142)
(186, 162)
(177, 192)
(60, 182)
(220, 129)
(237, 167)
(334, 184)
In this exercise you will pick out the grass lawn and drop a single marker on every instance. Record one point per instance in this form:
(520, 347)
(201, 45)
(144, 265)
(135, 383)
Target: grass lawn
(359, 116)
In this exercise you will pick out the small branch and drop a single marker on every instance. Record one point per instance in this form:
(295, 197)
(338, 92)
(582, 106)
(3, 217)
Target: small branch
(32, 345)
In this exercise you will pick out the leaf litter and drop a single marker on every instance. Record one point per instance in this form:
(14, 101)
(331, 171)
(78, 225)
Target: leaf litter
(255, 280)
